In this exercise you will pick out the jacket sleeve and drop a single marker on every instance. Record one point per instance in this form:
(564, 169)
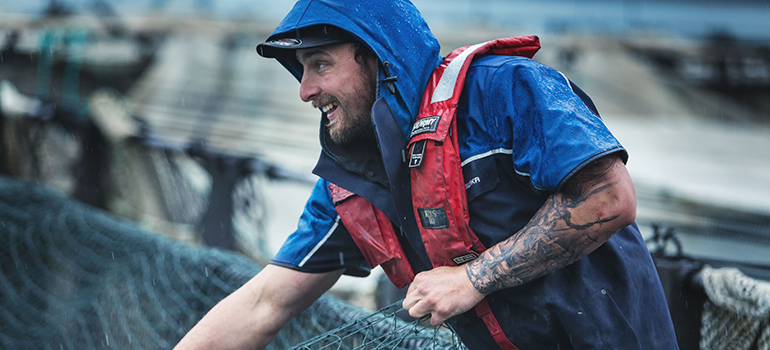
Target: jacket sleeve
(321, 243)
(554, 131)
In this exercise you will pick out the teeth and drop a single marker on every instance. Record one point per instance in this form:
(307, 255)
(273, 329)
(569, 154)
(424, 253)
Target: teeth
(328, 107)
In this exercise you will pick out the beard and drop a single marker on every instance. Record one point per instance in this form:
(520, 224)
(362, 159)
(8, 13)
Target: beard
(353, 124)
(353, 129)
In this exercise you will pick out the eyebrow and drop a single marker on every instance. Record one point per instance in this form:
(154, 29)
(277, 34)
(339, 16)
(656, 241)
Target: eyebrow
(303, 56)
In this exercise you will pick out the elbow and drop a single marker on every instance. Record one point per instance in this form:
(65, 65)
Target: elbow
(625, 206)
(624, 197)
(628, 214)
(618, 209)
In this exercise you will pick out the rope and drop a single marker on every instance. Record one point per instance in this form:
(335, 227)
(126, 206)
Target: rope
(737, 312)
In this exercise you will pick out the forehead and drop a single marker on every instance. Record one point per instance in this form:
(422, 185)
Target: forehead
(328, 51)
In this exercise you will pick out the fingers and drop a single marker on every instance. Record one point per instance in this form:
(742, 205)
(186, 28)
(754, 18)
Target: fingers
(410, 298)
(413, 302)
(419, 311)
(419, 306)
(440, 293)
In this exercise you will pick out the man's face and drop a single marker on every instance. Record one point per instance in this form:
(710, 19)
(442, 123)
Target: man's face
(342, 87)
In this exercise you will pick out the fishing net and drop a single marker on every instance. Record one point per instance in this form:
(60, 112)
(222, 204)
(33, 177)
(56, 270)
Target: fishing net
(383, 330)
(75, 277)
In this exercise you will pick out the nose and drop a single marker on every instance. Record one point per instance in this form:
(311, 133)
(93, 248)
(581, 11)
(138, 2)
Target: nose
(308, 88)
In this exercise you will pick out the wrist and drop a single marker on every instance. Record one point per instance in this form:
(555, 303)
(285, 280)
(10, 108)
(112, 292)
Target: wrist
(476, 283)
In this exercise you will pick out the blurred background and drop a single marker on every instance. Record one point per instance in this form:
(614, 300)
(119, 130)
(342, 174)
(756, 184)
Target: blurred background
(162, 113)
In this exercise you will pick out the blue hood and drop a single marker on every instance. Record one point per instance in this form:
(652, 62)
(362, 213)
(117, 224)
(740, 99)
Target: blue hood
(393, 29)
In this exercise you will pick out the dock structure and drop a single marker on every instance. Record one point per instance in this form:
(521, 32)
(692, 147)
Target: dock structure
(217, 91)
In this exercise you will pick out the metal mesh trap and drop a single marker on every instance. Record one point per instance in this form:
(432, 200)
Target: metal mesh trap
(384, 330)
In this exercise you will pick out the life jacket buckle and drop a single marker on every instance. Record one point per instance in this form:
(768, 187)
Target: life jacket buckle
(417, 153)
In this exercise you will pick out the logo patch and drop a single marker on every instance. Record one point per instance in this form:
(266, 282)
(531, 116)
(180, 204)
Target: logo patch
(433, 218)
(462, 259)
(286, 42)
(472, 182)
(427, 124)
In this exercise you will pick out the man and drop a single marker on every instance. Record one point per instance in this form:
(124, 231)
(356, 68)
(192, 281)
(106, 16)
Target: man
(546, 185)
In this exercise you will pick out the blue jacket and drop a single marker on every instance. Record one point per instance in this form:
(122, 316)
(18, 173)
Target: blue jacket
(523, 130)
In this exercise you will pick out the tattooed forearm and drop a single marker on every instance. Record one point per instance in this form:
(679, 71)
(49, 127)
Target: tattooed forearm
(568, 226)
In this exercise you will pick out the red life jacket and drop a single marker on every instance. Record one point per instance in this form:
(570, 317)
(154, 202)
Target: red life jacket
(438, 187)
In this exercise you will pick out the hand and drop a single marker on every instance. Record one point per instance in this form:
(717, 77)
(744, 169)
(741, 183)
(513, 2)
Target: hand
(441, 293)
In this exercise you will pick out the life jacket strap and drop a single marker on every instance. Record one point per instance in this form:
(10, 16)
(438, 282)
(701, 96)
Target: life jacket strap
(484, 312)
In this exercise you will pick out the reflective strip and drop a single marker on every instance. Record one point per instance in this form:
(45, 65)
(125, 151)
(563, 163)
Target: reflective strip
(318, 246)
(446, 85)
(566, 80)
(487, 154)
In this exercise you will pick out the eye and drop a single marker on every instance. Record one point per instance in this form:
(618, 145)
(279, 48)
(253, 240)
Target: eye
(314, 61)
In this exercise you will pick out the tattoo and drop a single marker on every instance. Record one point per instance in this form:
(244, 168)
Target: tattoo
(552, 239)
(579, 185)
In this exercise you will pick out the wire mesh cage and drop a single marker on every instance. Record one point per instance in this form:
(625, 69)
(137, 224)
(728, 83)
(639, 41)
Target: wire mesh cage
(384, 330)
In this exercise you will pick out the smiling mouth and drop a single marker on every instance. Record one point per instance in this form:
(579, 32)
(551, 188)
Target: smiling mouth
(329, 107)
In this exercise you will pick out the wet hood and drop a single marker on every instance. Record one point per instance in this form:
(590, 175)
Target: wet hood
(393, 29)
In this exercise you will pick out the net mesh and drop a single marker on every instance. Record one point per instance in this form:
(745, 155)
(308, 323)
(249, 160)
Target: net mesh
(75, 277)
(383, 330)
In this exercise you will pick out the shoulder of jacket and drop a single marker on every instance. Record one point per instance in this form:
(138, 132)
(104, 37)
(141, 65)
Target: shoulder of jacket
(496, 61)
